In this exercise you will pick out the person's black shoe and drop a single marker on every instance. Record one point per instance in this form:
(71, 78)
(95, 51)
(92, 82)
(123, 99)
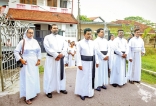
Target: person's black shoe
(49, 95)
(137, 82)
(82, 97)
(104, 87)
(63, 91)
(114, 85)
(98, 89)
(132, 82)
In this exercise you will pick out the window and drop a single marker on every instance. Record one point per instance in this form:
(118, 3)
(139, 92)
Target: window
(63, 3)
(52, 3)
(37, 27)
(29, 2)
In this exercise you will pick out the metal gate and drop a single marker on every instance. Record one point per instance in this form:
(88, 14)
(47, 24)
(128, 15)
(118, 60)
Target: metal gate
(11, 32)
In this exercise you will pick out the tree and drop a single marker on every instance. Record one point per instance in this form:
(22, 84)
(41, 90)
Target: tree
(140, 20)
(84, 18)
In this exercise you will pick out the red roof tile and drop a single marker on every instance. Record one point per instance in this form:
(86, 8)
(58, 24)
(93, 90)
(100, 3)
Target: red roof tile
(43, 16)
(141, 26)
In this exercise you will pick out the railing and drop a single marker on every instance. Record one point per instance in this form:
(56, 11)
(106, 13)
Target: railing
(10, 35)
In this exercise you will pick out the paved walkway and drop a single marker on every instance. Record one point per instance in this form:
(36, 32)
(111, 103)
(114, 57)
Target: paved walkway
(128, 95)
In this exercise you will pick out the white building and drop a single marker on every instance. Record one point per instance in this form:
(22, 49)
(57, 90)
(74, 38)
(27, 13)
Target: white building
(41, 14)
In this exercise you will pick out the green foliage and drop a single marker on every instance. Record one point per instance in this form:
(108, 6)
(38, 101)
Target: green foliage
(84, 18)
(113, 31)
(41, 69)
(148, 78)
(140, 20)
(148, 61)
(146, 31)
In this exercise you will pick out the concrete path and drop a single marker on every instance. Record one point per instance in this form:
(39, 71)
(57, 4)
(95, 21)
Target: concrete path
(128, 95)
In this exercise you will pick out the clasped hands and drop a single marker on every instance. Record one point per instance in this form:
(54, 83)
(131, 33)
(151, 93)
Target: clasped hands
(106, 58)
(59, 57)
(24, 62)
(124, 55)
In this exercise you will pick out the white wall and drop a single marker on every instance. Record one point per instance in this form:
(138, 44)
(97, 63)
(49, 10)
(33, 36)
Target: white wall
(73, 27)
(14, 1)
(98, 20)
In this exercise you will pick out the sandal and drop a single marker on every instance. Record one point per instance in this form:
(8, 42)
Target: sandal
(28, 102)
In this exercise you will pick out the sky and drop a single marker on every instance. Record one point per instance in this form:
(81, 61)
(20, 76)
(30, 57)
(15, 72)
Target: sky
(111, 10)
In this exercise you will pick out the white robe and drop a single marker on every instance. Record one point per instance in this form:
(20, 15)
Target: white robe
(136, 46)
(52, 82)
(83, 84)
(71, 59)
(111, 56)
(102, 45)
(29, 74)
(118, 72)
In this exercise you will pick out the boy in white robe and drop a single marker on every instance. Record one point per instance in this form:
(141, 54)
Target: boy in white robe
(54, 73)
(102, 46)
(86, 66)
(118, 73)
(136, 49)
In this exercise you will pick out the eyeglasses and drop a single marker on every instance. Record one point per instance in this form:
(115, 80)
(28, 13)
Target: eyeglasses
(30, 32)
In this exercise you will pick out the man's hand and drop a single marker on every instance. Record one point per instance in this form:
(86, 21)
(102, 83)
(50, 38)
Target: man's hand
(80, 67)
(66, 65)
(97, 65)
(130, 60)
(38, 62)
(60, 55)
(57, 58)
(106, 58)
(23, 61)
(124, 55)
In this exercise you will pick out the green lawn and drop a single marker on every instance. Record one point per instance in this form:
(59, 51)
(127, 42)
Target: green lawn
(149, 62)
(148, 78)
(41, 69)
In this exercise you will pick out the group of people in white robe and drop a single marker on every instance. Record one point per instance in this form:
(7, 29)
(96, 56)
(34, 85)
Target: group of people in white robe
(93, 60)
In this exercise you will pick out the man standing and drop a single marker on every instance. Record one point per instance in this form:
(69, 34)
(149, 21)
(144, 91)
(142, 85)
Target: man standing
(111, 53)
(54, 74)
(102, 46)
(118, 73)
(136, 49)
(86, 57)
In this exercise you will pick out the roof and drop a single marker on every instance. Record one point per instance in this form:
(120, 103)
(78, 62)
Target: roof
(43, 16)
(128, 22)
(93, 18)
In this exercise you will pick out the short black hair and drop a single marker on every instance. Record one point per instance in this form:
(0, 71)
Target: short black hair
(120, 30)
(53, 25)
(110, 36)
(136, 30)
(86, 30)
(98, 30)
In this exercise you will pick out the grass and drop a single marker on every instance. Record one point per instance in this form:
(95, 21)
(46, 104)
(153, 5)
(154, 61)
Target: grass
(41, 69)
(148, 78)
(149, 62)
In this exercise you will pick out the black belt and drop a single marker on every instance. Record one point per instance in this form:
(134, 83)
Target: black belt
(121, 51)
(90, 58)
(104, 52)
(61, 66)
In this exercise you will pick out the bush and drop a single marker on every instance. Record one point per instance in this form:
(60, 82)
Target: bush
(150, 51)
